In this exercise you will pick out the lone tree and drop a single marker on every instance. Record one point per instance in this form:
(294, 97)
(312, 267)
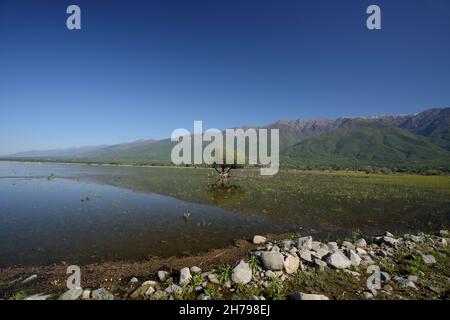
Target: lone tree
(224, 168)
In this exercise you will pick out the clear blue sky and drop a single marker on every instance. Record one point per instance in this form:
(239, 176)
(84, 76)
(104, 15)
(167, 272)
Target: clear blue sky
(140, 69)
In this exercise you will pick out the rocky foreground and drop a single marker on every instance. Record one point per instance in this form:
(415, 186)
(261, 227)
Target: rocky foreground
(384, 267)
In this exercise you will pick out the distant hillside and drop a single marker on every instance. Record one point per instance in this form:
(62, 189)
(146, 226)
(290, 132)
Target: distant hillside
(361, 143)
(419, 140)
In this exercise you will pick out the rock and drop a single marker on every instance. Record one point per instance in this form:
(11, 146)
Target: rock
(253, 297)
(275, 248)
(443, 233)
(348, 245)
(242, 273)
(203, 296)
(30, 278)
(388, 234)
(139, 292)
(102, 294)
(272, 260)
(159, 295)
(304, 242)
(291, 264)
(338, 260)
(355, 260)
(195, 270)
(388, 240)
(173, 289)
(416, 238)
(150, 283)
(163, 275)
(305, 255)
(385, 277)
(428, 259)
(321, 250)
(134, 280)
(72, 294)
(185, 276)
(320, 264)
(388, 288)
(361, 243)
(332, 247)
(307, 296)
(368, 295)
(86, 294)
(270, 274)
(259, 239)
(227, 284)
(443, 242)
(405, 283)
(150, 291)
(361, 251)
(39, 296)
(413, 278)
(212, 277)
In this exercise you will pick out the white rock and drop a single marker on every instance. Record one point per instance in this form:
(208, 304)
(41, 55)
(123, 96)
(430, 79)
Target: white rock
(259, 239)
(102, 294)
(272, 260)
(39, 296)
(361, 243)
(212, 277)
(307, 296)
(291, 264)
(305, 254)
(304, 242)
(338, 260)
(320, 264)
(270, 274)
(30, 278)
(353, 273)
(428, 259)
(150, 283)
(332, 247)
(134, 280)
(196, 270)
(185, 276)
(174, 289)
(355, 259)
(242, 273)
(203, 296)
(150, 291)
(163, 275)
(72, 294)
(348, 245)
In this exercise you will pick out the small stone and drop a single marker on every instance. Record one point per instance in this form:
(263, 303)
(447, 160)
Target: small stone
(307, 296)
(173, 289)
(163, 275)
(428, 259)
(416, 238)
(86, 294)
(291, 264)
(332, 247)
(259, 239)
(361, 243)
(348, 245)
(72, 294)
(320, 264)
(388, 234)
(203, 296)
(139, 291)
(185, 276)
(227, 284)
(39, 296)
(150, 291)
(443, 233)
(134, 280)
(159, 295)
(304, 242)
(389, 241)
(270, 274)
(338, 260)
(272, 260)
(195, 270)
(242, 273)
(355, 260)
(150, 283)
(305, 255)
(368, 295)
(361, 251)
(102, 294)
(413, 278)
(212, 277)
(405, 283)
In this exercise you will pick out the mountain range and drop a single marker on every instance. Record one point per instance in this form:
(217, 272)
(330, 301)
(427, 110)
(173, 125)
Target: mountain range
(417, 140)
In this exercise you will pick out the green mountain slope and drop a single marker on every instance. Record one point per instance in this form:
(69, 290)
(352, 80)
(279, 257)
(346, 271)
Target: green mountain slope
(367, 144)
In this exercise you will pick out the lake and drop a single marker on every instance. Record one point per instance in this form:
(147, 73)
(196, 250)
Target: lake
(80, 214)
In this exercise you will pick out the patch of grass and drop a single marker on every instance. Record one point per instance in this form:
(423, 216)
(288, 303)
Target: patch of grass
(254, 263)
(224, 273)
(214, 293)
(275, 289)
(197, 280)
(18, 296)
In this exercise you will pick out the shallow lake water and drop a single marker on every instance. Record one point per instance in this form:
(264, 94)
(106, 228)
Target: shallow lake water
(81, 213)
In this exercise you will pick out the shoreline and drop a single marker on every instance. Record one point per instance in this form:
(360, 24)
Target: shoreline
(271, 267)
